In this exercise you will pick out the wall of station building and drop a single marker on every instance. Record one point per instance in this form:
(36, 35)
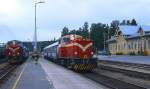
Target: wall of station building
(128, 46)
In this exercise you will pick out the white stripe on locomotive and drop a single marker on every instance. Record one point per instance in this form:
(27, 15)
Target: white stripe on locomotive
(84, 48)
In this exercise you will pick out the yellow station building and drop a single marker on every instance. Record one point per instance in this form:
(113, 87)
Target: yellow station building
(133, 40)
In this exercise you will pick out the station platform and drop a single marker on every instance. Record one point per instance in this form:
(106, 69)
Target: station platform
(126, 58)
(47, 75)
(32, 76)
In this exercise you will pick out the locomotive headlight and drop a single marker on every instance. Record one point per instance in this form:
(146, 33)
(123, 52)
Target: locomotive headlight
(18, 53)
(92, 53)
(9, 53)
(75, 53)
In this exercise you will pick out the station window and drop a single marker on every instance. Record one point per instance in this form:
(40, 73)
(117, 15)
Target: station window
(124, 45)
(145, 45)
(139, 45)
(118, 47)
(129, 46)
(114, 47)
(135, 46)
(132, 45)
(149, 44)
(110, 47)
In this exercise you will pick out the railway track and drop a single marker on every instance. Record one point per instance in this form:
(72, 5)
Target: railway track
(125, 64)
(6, 70)
(130, 69)
(111, 83)
(119, 75)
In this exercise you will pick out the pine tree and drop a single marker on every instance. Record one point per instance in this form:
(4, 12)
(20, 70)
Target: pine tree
(128, 22)
(123, 22)
(115, 23)
(133, 22)
(65, 31)
(72, 31)
(85, 30)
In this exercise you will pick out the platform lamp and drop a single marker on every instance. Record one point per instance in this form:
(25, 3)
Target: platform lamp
(35, 30)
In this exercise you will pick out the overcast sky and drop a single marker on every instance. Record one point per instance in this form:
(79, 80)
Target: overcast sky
(17, 16)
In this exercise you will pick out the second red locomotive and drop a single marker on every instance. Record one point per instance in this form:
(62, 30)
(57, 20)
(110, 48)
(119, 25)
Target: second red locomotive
(72, 51)
(15, 52)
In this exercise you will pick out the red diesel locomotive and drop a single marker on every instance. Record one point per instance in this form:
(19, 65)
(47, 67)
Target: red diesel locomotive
(72, 51)
(15, 52)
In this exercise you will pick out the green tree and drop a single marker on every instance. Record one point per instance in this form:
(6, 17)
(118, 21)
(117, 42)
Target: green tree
(72, 31)
(115, 23)
(133, 22)
(123, 22)
(79, 31)
(85, 30)
(97, 32)
(113, 28)
(128, 22)
(65, 31)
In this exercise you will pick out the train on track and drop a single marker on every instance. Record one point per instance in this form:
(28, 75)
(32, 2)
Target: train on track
(2, 52)
(16, 52)
(72, 51)
(2, 48)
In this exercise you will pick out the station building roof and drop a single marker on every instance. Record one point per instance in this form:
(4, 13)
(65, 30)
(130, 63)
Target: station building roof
(131, 32)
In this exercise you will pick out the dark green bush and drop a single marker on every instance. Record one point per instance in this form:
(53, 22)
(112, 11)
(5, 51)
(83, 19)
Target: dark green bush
(119, 53)
(144, 53)
(132, 53)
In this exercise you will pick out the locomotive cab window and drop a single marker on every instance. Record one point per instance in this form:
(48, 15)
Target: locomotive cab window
(66, 40)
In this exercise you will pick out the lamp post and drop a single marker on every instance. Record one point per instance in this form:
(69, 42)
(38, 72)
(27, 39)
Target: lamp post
(35, 30)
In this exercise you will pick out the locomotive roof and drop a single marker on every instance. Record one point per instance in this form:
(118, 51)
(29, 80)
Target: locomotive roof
(72, 36)
(54, 44)
(19, 43)
(14, 41)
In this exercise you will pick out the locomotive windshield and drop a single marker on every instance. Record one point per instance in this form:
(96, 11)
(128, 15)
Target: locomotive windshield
(75, 37)
(66, 40)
